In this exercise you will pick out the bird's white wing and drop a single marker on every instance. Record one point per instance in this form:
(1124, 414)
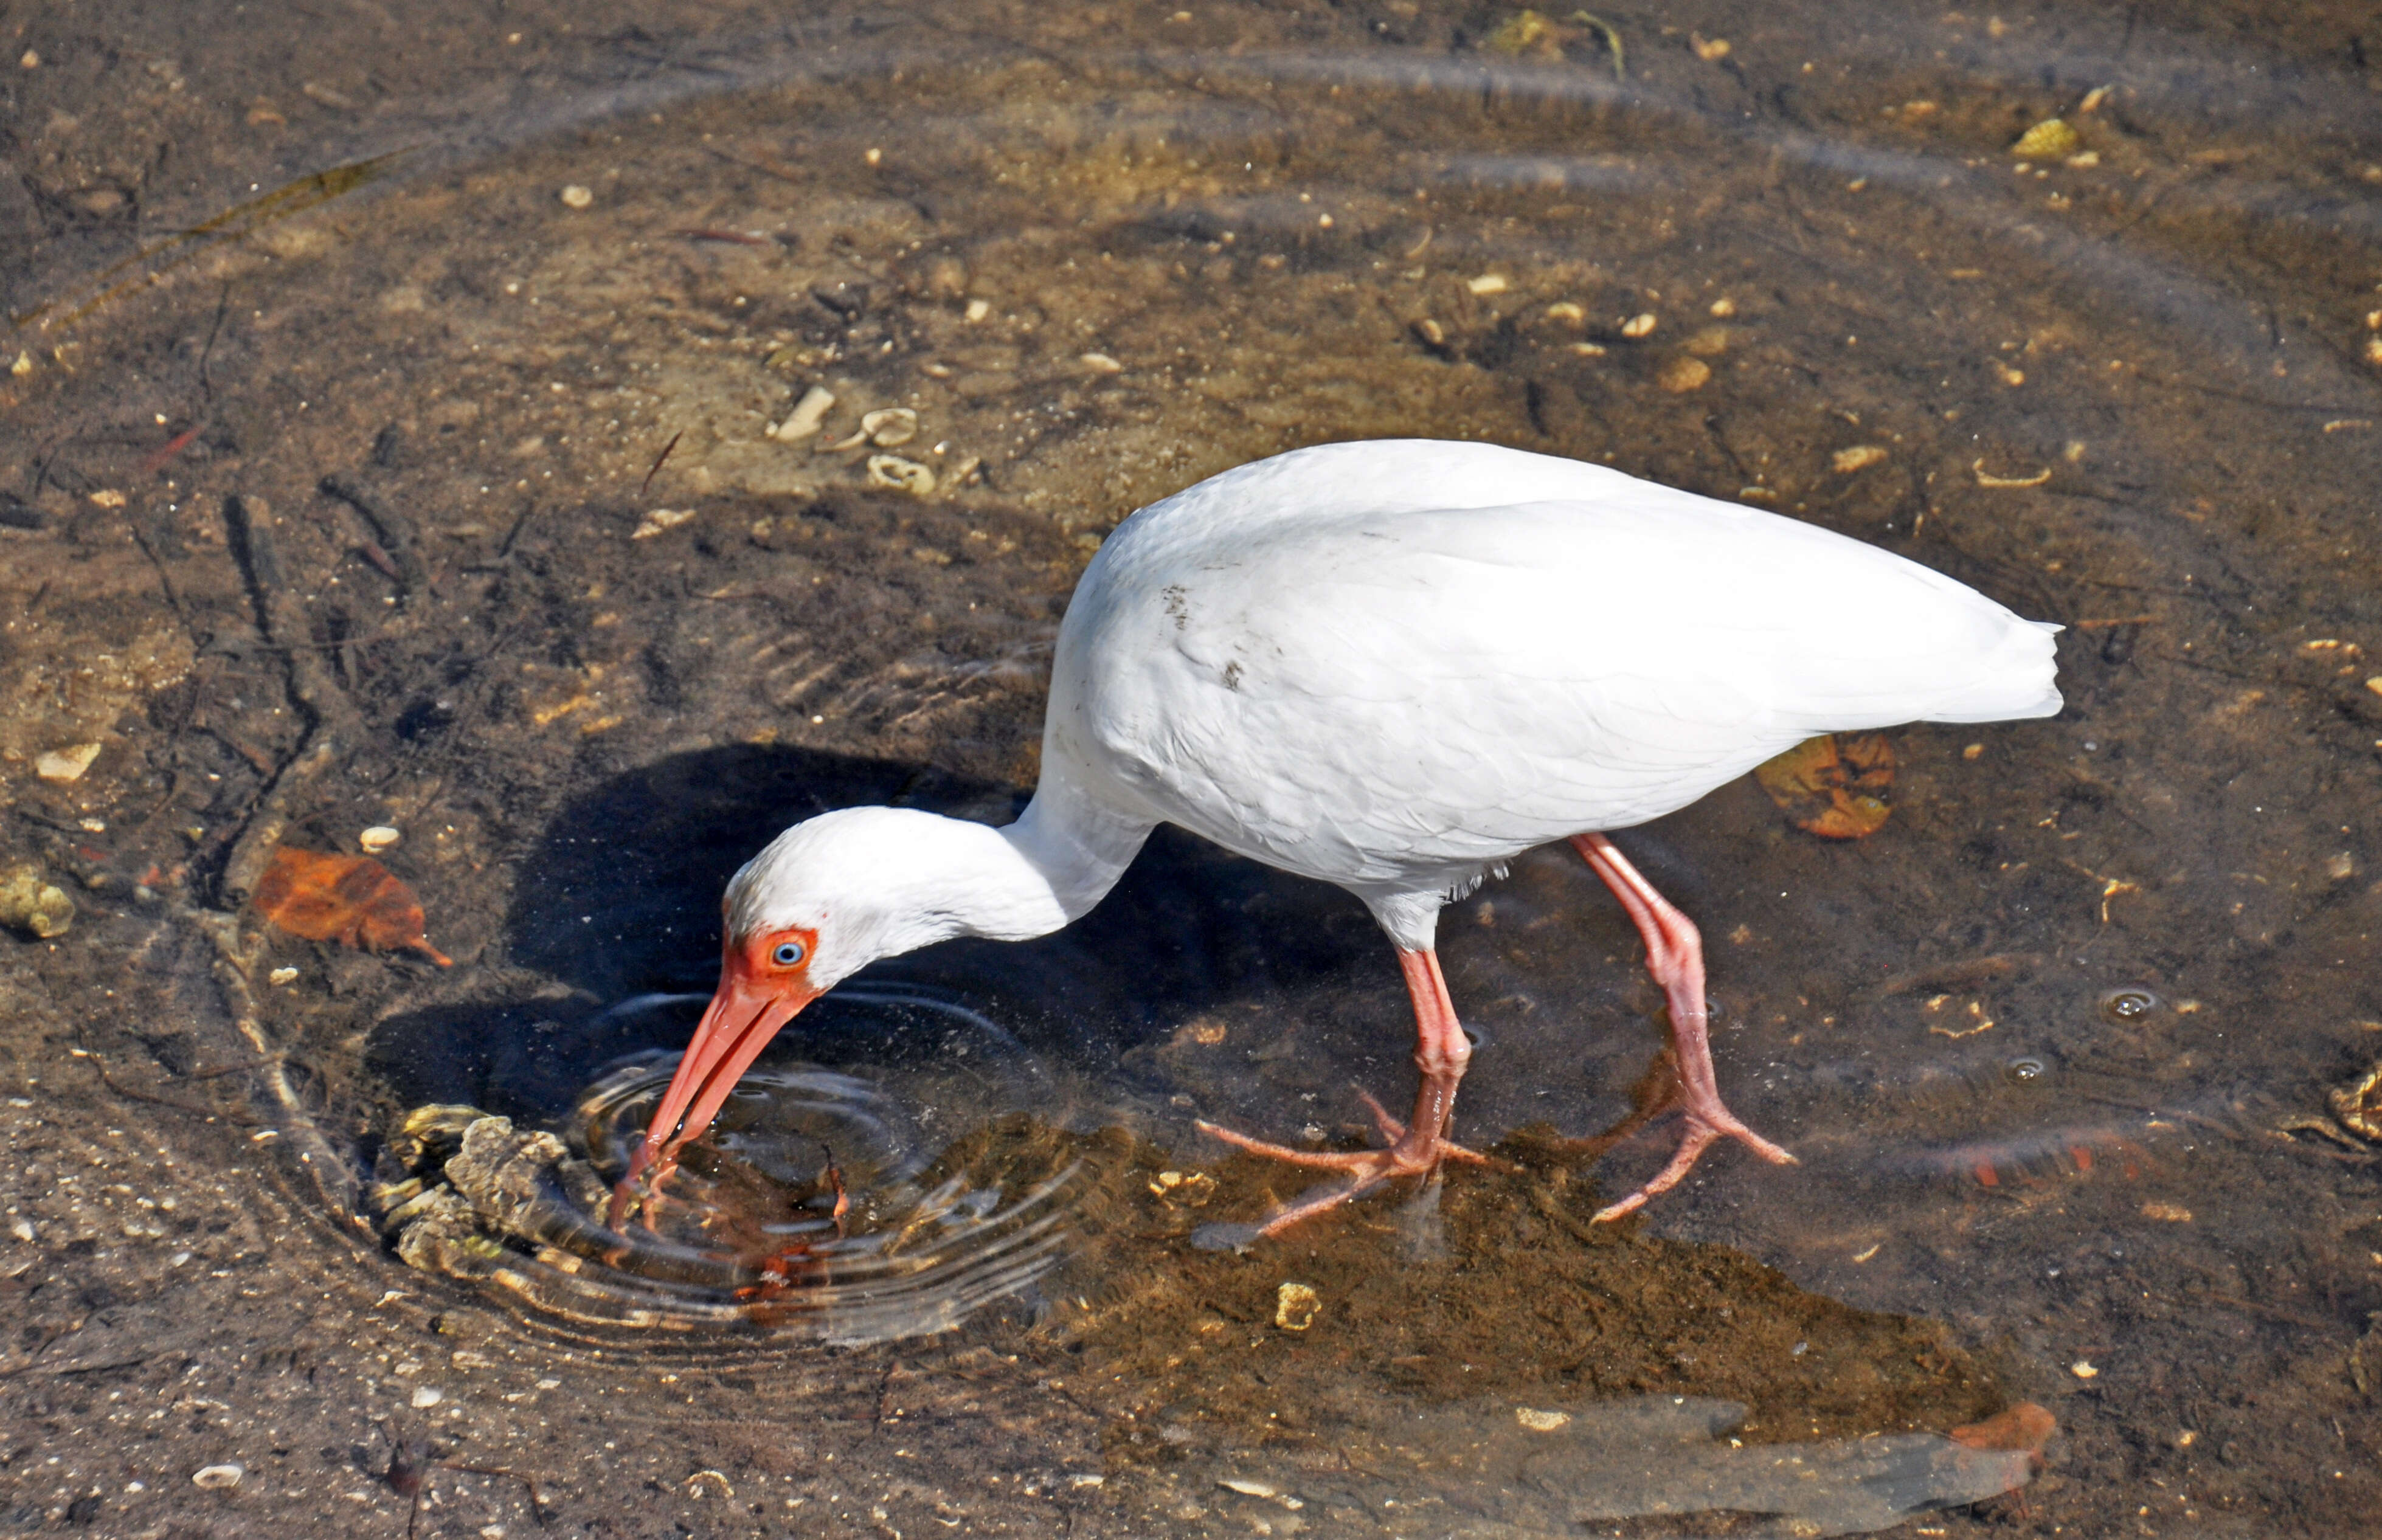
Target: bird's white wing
(1377, 699)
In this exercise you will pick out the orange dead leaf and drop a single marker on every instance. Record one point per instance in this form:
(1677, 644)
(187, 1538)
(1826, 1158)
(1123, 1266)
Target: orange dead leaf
(2025, 1429)
(351, 899)
(1833, 787)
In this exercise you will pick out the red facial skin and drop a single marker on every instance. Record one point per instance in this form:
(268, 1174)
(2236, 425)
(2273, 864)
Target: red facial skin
(757, 995)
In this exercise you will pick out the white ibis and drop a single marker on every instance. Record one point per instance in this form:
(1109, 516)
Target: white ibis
(1391, 666)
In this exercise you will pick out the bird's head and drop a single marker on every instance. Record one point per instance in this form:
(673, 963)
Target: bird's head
(823, 901)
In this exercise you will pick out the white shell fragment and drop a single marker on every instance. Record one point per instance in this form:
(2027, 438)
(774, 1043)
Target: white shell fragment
(803, 420)
(1641, 324)
(66, 764)
(905, 475)
(1295, 1306)
(379, 838)
(1100, 364)
(577, 197)
(426, 1397)
(216, 1478)
(1861, 457)
(659, 521)
(1488, 283)
(889, 425)
(1541, 1422)
(280, 976)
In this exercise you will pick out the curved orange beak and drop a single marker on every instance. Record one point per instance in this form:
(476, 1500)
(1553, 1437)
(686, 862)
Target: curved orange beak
(750, 1007)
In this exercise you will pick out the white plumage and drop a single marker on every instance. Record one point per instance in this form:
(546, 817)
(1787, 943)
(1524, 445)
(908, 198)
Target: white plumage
(1386, 664)
(1391, 666)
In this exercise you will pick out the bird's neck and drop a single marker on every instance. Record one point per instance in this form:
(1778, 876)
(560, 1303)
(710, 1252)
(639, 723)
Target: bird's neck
(1073, 842)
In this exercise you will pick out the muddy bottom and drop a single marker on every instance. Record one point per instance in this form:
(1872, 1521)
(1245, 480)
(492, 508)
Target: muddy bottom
(546, 455)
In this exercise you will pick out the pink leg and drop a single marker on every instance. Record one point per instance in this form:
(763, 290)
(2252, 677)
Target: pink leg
(1675, 956)
(1417, 1146)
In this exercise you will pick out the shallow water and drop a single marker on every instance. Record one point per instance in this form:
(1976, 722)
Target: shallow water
(486, 321)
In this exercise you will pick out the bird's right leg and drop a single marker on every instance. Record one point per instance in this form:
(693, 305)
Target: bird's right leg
(1675, 956)
(1417, 1146)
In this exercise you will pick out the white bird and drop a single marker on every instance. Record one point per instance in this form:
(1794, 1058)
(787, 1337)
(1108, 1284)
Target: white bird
(1391, 666)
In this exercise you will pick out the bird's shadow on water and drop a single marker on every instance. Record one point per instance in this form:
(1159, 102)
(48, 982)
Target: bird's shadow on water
(618, 905)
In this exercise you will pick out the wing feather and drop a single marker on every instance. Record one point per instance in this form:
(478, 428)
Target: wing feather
(1381, 696)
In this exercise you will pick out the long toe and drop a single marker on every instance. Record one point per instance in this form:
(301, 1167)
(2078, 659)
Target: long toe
(1370, 1165)
(1775, 1155)
(1700, 1135)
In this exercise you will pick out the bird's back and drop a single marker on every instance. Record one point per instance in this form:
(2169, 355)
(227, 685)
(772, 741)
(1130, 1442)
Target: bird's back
(1388, 664)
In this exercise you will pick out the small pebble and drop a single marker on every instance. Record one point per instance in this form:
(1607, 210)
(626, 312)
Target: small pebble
(2082, 1369)
(2050, 140)
(1861, 457)
(427, 1396)
(1488, 283)
(1566, 310)
(577, 197)
(1295, 1306)
(66, 764)
(280, 976)
(379, 838)
(1101, 363)
(1723, 308)
(217, 1477)
(979, 309)
(1639, 326)
(1683, 374)
(1541, 1422)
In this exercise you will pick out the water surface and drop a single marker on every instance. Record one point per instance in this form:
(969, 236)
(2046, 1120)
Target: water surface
(487, 324)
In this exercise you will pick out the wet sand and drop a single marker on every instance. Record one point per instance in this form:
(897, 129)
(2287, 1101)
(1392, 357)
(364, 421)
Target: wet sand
(421, 496)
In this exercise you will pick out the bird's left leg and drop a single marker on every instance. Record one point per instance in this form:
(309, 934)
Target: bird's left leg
(1675, 956)
(1417, 1146)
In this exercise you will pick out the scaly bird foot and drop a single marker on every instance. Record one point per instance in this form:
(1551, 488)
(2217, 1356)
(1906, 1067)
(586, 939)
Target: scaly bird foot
(1703, 1133)
(1366, 1169)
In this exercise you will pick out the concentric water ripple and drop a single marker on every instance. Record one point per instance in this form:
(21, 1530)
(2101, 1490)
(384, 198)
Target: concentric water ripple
(910, 1168)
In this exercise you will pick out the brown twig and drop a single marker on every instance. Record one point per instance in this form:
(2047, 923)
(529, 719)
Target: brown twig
(172, 446)
(99, 1067)
(393, 531)
(331, 716)
(656, 469)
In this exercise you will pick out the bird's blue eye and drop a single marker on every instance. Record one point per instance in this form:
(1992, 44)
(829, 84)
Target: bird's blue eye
(788, 954)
